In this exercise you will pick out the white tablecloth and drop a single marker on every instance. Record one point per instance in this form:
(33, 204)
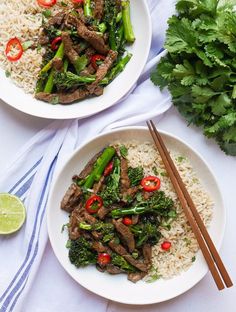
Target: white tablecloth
(16, 128)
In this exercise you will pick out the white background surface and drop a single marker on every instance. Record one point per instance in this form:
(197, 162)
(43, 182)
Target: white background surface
(16, 128)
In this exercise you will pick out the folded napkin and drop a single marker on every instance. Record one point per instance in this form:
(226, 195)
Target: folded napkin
(31, 173)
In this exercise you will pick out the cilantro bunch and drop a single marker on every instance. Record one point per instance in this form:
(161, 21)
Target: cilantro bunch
(200, 67)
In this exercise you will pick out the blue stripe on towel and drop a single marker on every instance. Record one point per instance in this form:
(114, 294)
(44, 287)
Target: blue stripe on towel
(27, 269)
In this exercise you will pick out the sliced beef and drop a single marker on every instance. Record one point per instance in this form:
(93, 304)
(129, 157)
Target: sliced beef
(43, 38)
(89, 70)
(88, 168)
(112, 269)
(129, 193)
(63, 98)
(136, 276)
(98, 9)
(92, 37)
(124, 178)
(118, 248)
(70, 52)
(89, 52)
(146, 195)
(103, 212)
(89, 218)
(147, 254)
(71, 198)
(97, 186)
(102, 70)
(57, 63)
(98, 246)
(135, 219)
(75, 218)
(56, 19)
(126, 235)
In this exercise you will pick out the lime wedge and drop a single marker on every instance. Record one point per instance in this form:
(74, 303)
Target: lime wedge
(12, 213)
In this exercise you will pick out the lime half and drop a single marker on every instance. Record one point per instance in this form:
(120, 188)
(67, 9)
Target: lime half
(12, 213)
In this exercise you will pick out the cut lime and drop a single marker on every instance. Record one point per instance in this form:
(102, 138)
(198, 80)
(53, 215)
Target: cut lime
(12, 213)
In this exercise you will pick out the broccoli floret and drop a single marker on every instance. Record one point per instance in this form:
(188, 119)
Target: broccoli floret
(135, 175)
(81, 253)
(106, 229)
(146, 233)
(122, 263)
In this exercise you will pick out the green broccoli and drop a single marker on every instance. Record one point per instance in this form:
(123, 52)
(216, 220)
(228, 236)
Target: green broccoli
(81, 252)
(135, 175)
(119, 261)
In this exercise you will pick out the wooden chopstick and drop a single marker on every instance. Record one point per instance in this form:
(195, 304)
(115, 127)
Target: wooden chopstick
(211, 255)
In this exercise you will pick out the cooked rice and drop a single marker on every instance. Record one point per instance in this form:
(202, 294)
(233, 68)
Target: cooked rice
(184, 244)
(22, 19)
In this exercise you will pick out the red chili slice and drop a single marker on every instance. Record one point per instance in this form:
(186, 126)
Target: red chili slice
(93, 204)
(104, 258)
(14, 44)
(166, 245)
(54, 44)
(78, 1)
(95, 58)
(127, 221)
(47, 3)
(108, 169)
(151, 183)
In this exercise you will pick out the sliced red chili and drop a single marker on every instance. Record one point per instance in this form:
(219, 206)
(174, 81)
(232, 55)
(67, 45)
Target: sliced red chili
(14, 50)
(108, 169)
(47, 3)
(127, 221)
(151, 183)
(54, 44)
(166, 245)
(96, 58)
(93, 204)
(78, 1)
(104, 258)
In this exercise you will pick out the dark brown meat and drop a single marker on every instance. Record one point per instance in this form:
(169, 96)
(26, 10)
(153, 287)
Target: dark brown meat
(130, 192)
(98, 9)
(112, 269)
(126, 234)
(102, 70)
(136, 276)
(147, 254)
(146, 195)
(97, 41)
(124, 179)
(88, 168)
(102, 212)
(69, 49)
(89, 52)
(89, 218)
(57, 19)
(89, 70)
(135, 219)
(97, 186)
(75, 218)
(43, 38)
(123, 252)
(57, 63)
(63, 98)
(98, 246)
(71, 198)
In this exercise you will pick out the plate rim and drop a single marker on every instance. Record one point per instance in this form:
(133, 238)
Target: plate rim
(218, 244)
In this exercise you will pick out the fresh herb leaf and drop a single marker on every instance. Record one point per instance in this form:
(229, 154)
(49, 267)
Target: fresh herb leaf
(123, 151)
(7, 73)
(47, 13)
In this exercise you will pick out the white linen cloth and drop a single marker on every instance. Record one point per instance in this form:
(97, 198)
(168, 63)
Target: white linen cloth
(30, 175)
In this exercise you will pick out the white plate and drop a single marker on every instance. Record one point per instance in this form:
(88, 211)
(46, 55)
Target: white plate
(118, 288)
(17, 98)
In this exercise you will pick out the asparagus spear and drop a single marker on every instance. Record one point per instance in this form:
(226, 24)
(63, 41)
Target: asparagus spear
(128, 29)
(69, 80)
(59, 54)
(99, 167)
(87, 8)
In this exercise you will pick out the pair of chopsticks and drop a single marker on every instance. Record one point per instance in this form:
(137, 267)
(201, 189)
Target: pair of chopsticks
(205, 242)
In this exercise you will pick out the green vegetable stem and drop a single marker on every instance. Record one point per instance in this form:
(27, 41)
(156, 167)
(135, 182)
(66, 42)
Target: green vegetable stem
(128, 29)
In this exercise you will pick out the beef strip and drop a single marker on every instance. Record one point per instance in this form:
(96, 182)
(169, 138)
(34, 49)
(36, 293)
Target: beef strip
(75, 218)
(43, 38)
(56, 19)
(70, 52)
(118, 248)
(102, 70)
(88, 168)
(130, 192)
(146, 195)
(136, 276)
(135, 219)
(57, 63)
(126, 234)
(71, 198)
(98, 9)
(124, 178)
(92, 37)
(97, 186)
(63, 98)
(102, 212)
(89, 52)
(147, 254)
(89, 218)
(99, 247)
(89, 70)
(112, 269)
